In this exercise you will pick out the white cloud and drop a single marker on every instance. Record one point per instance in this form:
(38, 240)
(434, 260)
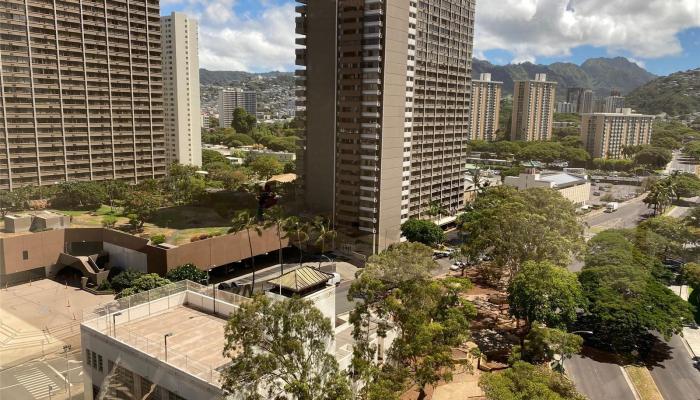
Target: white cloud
(532, 28)
(230, 41)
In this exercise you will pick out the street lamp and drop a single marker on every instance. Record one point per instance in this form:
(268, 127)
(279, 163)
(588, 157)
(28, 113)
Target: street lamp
(213, 288)
(50, 388)
(114, 322)
(165, 339)
(66, 349)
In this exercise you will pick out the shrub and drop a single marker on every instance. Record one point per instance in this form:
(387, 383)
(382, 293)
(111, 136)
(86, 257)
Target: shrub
(187, 271)
(109, 221)
(125, 280)
(158, 239)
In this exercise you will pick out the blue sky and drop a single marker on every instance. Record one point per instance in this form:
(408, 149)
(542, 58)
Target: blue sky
(661, 35)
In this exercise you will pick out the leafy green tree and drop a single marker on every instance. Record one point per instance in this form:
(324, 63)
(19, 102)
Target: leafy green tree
(157, 239)
(542, 343)
(140, 206)
(188, 272)
(84, 195)
(238, 140)
(517, 226)
(242, 121)
(435, 209)
(422, 231)
(115, 190)
(210, 157)
(143, 283)
(246, 222)
(656, 157)
(430, 317)
(184, 185)
(125, 279)
(546, 293)
(281, 349)
(685, 185)
(266, 166)
(525, 381)
(626, 302)
(674, 235)
(660, 196)
(691, 275)
(230, 179)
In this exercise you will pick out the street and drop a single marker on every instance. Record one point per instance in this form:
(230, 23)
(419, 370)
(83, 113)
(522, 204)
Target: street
(680, 163)
(675, 376)
(598, 380)
(41, 379)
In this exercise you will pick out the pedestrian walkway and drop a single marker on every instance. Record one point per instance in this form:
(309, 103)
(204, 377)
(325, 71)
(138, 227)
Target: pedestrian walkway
(691, 336)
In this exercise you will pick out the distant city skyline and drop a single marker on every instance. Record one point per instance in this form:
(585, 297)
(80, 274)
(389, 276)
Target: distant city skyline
(662, 37)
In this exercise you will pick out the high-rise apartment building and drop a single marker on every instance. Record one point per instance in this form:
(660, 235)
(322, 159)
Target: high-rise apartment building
(533, 109)
(183, 130)
(605, 134)
(566, 108)
(386, 109)
(581, 98)
(231, 99)
(613, 104)
(485, 108)
(82, 94)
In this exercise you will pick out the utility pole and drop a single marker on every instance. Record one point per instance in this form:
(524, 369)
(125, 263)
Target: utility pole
(66, 349)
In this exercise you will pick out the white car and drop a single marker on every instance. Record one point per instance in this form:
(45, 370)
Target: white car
(335, 280)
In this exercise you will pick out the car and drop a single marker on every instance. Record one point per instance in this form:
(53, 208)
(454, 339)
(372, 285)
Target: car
(455, 267)
(596, 193)
(335, 280)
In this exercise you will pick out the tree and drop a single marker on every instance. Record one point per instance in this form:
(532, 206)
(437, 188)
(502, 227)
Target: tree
(685, 185)
(188, 272)
(517, 226)
(626, 302)
(281, 349)
(141, 205)
(430, 317)
(244, 221)
(109, 221)
(525, 381)
(660, 196)
(674, 233)
(435, 209)
(266, 167)
(691, 275)
(656, 157)
(183, 185)
(230, 179)
(84, 195)
(275, 217)
(143, 283)
(422, 231)
(324, 233)
(545, 293)
(242, 121)
(124, 279)
(211, 157)
(542, 343)
(298, 231)
(115, 190)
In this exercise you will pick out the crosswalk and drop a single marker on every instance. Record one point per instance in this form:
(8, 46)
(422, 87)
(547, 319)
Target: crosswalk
(37, 383)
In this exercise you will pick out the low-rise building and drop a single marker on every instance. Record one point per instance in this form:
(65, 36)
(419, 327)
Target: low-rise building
(252, 153)
(605, 135)
(168, 343)
(576, 188)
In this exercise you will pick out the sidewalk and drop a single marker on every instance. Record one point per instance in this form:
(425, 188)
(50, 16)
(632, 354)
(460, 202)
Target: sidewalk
(691, 336)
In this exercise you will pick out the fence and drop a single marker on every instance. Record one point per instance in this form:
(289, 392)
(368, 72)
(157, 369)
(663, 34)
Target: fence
(207, 298)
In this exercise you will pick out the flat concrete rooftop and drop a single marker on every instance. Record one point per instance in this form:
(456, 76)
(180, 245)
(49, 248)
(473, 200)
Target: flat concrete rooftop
(196, 343)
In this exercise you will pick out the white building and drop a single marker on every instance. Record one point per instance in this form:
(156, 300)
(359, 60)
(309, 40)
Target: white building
(566, 108)
(253, 153)
(230, 99)
(605, 135)
(576, 188)
(183, 125)
(613, 104)
(169, 341)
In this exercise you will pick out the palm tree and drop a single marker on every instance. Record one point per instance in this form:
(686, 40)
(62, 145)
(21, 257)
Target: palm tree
(298, 230)
(323, 228)
(244, 221)
(660, 196)
(277, 218)
(436, 209)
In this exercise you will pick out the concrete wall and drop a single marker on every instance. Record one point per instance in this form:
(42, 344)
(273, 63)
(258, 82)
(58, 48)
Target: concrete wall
(126, 258)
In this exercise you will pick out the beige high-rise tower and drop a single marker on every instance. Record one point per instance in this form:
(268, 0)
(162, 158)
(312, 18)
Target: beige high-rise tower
(605, 134)
(401, 85)
(183, 130)
(82, 94)
(486, 108)
(533, 109)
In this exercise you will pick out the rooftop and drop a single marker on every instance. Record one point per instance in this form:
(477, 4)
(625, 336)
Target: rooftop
(301, 279)
(562, 179)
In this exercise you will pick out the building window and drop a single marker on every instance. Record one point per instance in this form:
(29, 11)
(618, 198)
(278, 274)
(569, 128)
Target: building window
(25, 255)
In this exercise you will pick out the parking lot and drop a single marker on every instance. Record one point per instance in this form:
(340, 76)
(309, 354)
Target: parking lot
(607, 192)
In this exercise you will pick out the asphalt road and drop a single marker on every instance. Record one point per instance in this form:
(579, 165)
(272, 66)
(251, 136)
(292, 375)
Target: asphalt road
(680, 163)
(627, 216)
(598, 380)
(676, 377)
(37, 379)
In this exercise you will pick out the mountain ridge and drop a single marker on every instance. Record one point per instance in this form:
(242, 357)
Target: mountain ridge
(676, 94)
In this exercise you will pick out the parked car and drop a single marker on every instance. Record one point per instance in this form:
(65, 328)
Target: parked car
(335, 280)
(455, 267)
(596, 193)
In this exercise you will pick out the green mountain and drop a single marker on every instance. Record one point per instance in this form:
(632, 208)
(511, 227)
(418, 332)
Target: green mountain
(676, 94)
(600, 74)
